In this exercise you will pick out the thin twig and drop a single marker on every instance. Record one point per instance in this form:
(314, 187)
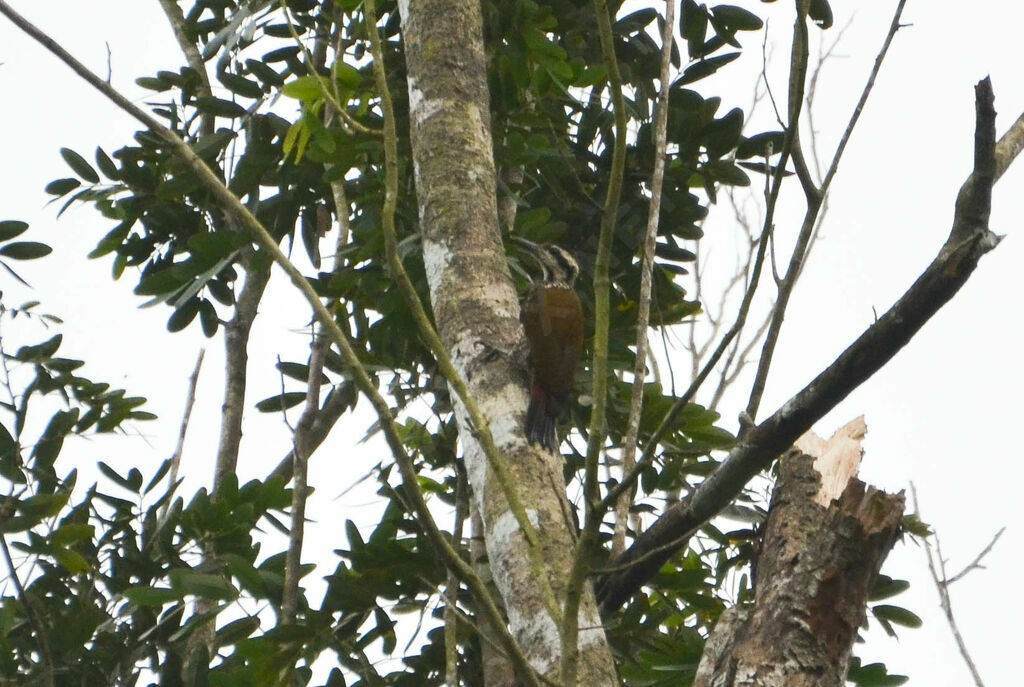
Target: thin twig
(300, 471)
(942, 587)
(814, 200)
(798, 71)
(976, 563)
(599, 390)
(644, 301)
(190, 400)
(192, 56)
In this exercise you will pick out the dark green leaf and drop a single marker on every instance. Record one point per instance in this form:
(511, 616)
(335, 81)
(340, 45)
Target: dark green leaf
(704, 68)
(72, 532)
(693, 26)
(152, 596)
(203, 585)
(234, 632)
(10, 228)
(40, 352)
(282, 54)
(25, 250)
(132, 483)
(885, 587)
(72, 561)
(264, 73)
(209, 146)
(208, 318)
(113, 240)
(219, 107)
(821, 12)
(79, 166)
(636, 21)
(298, 371)
(760, 145)
(184, 315)
(310, 232)
(723, 134)
(153, 84)
(247, 88)
(670, 251)
(59, 187)
(896, 615)
(874, 675)
(281, 402)
(737, 18)
(106, 165)
(43, 506)
(52, 440)
(159, 283)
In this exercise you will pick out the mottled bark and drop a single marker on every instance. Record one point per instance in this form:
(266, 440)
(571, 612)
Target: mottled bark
(477, 315)
(236, 352)
(813, 575)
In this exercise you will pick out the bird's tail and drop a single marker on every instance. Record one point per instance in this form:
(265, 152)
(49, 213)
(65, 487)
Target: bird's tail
(542, 420)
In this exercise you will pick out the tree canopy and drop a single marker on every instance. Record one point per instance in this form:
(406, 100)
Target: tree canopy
(302, 111)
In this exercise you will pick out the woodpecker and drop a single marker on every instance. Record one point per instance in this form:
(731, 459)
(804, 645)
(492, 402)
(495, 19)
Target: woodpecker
(553, 320)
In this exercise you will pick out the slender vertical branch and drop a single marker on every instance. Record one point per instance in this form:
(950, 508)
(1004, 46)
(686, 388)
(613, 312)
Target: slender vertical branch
(236, 345)
(644, 302)
(942, 583)
(179, 449)
(192, 56)
(814, 202)
(603, 258)
(300, 468)
(599, 390)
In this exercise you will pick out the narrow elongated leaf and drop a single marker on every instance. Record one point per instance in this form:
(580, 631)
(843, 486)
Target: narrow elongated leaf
(897, 615)
(203, 585)
(304, 88)
(152, 596)
(737, 18)
(106, 165)
(704, 68)
(219, 107)
(73, 561)
(281, 402)
(79, 165)
(40, 352)
(10, 228)
(52, 440)
(59, 187)
(25, 250)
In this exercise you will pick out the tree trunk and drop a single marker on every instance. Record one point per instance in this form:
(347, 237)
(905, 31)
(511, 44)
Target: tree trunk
(477, 314)
(812, 578)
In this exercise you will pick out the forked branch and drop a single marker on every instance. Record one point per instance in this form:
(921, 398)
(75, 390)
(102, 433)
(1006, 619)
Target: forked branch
(969, 239)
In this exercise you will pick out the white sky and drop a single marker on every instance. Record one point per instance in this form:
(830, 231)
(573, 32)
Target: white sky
(943, 413)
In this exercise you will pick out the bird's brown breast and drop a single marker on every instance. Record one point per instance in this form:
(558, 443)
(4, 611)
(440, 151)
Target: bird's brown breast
(553, 320)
